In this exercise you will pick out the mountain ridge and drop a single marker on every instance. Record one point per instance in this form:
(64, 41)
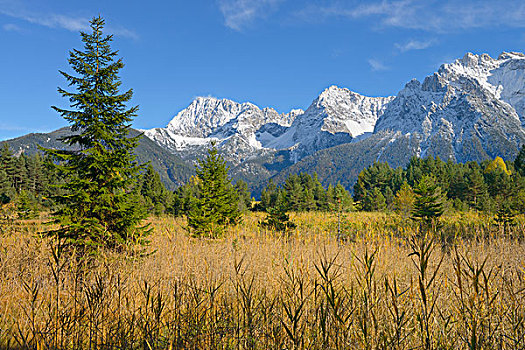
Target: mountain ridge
(470, 109)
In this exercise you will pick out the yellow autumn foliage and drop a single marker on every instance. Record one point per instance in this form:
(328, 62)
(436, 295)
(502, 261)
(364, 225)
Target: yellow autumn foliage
(497, 164)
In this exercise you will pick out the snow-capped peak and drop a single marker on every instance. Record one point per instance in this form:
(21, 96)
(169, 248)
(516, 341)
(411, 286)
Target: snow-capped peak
(342, 110)
(504, 77)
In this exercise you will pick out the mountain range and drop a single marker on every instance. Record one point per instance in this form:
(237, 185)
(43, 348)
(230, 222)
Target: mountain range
(471, 109)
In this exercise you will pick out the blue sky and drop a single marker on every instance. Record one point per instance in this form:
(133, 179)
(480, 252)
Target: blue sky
(276, 53)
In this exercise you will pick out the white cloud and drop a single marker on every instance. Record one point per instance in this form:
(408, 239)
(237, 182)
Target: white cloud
(11, 127)
(10, 27)
(414, 45)
(54, 20)
(435, 16)
(238, 14)
(377, 65)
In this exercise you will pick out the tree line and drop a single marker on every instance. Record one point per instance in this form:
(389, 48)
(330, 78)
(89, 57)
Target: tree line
(27, 181)
(489, 186)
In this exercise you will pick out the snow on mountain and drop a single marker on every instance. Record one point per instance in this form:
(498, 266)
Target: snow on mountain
(337, 116)
(208, 118)
(468, 110)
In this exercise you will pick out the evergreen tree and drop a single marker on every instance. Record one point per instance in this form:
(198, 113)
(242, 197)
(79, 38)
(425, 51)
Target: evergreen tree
(389, 197)
(7, 162)
(319, 193)
(154, 192)
(216, 205)
(294, 192)
(5, 184)
(519, 162)
(245, 201)
(268, 196)
(307, 200)
(505, 216)
(277, 219)
(26, 205)
(428, 206)
(374, 200)
(99, 208)
(183, 198)
(476, 188)
(20, 174)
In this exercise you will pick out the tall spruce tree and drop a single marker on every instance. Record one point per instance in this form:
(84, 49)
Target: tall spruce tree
(217, 201)
(99, 208)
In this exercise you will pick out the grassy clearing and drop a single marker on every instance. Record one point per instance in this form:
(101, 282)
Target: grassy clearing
(380, 287)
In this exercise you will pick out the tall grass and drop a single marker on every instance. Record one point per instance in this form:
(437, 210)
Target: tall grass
(383, 287)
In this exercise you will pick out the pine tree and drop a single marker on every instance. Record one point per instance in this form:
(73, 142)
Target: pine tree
(245, 201)
(154, 192)
(519, 162)
(216, 205)
(374, 200)
(7, 162)
(476, 188)
(20, 174)
(277, 219)
(505, 216)
(268, 196)
(99, 207)
(26, 205)
(307, 200)
(428, 206)
(389, 197)
(5, 185)
(294, 192)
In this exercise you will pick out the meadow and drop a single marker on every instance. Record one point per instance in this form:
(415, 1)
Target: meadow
(379, 284)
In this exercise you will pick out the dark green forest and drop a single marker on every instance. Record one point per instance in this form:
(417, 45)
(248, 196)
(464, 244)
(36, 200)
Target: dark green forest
(489, 186)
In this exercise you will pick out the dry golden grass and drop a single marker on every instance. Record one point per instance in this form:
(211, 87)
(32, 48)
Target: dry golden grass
(379, 288)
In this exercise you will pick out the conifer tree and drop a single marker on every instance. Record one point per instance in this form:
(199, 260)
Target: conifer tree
(277, 219)
(184, 198)
(428, 206)
(476, 188)
(269, 195)
(20, 174)
(5, 184)
(7, 161)
(245, 201)
(519, 162)
(154, 192)
(99, 207)
(294, 192)
(216, 205)
(374, 200)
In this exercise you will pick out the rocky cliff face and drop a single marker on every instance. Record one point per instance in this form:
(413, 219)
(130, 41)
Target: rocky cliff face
(209, 119)
(468, 110)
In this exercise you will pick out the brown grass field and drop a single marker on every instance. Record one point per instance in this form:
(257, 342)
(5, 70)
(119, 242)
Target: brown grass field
(381, 286)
